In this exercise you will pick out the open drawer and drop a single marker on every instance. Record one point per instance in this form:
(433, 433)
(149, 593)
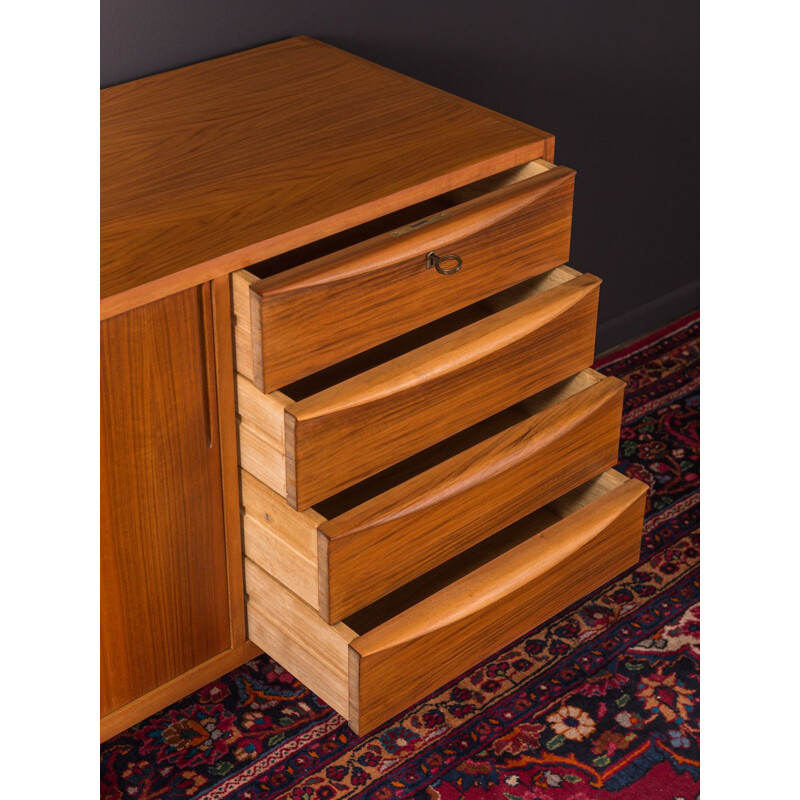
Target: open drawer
(341, 425)
(431, 630)
(310, 308)
(348, 551)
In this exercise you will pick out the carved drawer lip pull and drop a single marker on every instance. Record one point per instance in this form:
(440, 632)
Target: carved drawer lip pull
(360, 292)
(432, 260)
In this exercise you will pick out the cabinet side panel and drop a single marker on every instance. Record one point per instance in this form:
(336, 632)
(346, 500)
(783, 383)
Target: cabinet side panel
(164, 595)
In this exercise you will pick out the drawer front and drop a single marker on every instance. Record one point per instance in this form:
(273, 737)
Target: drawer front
(317, 314)
(447, 632)
(387, 541)
(362, 425)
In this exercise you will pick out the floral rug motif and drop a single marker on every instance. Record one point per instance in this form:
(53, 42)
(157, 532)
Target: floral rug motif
(602, 701)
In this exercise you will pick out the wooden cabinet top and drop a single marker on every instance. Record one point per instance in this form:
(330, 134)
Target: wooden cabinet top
(221, 164)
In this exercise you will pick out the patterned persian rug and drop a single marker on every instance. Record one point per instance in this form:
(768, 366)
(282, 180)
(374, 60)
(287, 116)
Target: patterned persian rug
(600, 702)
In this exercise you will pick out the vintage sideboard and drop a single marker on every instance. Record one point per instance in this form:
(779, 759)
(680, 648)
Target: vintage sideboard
(347, 410)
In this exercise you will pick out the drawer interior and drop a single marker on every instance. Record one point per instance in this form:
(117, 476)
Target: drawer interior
(397, 219)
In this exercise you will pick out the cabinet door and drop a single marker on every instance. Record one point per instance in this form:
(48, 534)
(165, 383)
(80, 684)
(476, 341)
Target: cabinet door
(164, 593)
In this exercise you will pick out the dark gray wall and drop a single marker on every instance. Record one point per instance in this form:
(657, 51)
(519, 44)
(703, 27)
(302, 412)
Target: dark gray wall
(616, 81)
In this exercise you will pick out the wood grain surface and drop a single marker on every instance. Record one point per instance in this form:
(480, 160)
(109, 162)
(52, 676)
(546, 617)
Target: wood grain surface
(219, 293)
(263, 412)
(433, 628)
(422, 647)
(360, 295)
(355, 428)
(385, 542)
(218, 165)
(262, 438)
(243, 331)
(282, 541)
(262, 429)
(297, 528)
(292, 632)
(164, 602)
(259, 455)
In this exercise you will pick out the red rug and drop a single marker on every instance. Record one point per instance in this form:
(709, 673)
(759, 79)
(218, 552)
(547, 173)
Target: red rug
(600, 702)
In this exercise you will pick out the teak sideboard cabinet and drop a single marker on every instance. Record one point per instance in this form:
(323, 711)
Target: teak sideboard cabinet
(347, 411)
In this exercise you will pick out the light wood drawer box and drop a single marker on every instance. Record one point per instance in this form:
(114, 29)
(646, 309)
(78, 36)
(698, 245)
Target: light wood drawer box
(324, 433)
(360, 289)
(394, 652)
(352, 549)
